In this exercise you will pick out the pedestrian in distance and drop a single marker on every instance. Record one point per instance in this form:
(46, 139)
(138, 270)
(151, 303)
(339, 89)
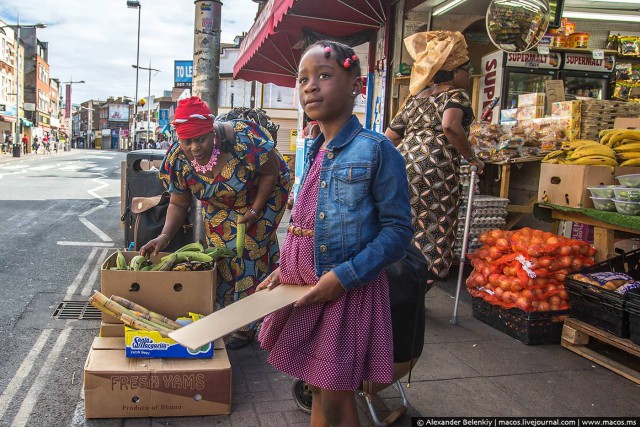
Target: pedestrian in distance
(240, 177)
(25, 144)
(35, 145)
(350, 220)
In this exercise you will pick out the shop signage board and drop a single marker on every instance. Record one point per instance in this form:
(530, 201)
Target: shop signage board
(586, 62)
(183, 73)
(491, 83)
(532, 59)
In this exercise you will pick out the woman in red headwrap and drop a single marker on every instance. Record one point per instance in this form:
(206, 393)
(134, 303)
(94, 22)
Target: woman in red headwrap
(234, 169)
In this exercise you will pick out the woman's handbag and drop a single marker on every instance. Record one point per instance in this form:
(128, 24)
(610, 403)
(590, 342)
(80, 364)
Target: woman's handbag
(407, 288)
(149, 215)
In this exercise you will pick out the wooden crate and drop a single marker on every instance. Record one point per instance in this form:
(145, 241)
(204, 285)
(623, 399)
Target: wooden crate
(616, 354)
(601, 114)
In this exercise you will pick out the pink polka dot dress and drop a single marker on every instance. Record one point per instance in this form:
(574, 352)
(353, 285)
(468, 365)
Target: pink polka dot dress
(334, 345)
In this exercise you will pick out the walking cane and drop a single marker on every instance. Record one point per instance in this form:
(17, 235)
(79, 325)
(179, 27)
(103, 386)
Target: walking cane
(465, 242)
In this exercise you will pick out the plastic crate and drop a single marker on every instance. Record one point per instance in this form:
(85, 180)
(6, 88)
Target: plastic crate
(633, 309)
(600, 307)
(543, 327)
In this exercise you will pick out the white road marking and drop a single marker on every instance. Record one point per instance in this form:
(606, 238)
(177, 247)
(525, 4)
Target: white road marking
(88, 286)
(7, 396)
(13, 167)
(41, 168)
(32, 396)
(99, 169)
(97, 244)
(13, 173)
(101, 234)
(74, 285)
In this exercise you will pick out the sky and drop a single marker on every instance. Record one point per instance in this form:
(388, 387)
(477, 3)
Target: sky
(95, 40)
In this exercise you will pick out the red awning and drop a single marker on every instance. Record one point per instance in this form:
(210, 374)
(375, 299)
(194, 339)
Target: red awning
(271, 50)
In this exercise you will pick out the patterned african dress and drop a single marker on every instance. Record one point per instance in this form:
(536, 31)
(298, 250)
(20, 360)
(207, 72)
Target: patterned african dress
(226, 198)
(433, 166)
(334, 345)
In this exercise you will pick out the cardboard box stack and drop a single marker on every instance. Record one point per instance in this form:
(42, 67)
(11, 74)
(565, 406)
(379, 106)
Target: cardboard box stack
(566, 116)
(118, 387)
(531, 106)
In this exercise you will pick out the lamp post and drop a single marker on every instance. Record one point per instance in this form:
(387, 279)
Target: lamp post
(17, 143)
(68, 94)
(148, 97)
(135, 4)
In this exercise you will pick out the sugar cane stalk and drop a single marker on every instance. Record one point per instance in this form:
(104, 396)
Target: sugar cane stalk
(136, 323)
(119, 310)
(155, 317)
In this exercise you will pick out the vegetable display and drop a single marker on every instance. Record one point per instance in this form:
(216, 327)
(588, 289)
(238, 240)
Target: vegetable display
(190, 257)
(526, 268)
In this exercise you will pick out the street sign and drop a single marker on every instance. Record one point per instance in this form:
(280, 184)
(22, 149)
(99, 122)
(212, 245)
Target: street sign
(183, 73)
(163, 117)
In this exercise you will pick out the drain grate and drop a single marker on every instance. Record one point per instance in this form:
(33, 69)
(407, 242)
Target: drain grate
(80, 310)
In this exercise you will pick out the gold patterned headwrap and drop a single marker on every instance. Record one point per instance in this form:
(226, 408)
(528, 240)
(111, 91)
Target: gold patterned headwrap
(433, 51)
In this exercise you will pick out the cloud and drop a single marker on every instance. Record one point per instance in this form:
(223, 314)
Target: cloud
(95, 40)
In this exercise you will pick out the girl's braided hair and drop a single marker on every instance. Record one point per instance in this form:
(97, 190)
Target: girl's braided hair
(345, 55)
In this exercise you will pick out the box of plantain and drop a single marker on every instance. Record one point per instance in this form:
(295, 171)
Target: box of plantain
(171, 293)
(150, 344)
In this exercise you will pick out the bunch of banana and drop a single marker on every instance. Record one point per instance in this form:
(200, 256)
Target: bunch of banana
(615, 137)
(628, 149)
(191, 266)
(593, 154)
(563, 156)
(139, 263)
(121, 261)
(216, 252)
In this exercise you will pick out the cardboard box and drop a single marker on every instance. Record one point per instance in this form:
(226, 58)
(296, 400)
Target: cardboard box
(566, 108)
(626, 123)
(150, 344)
(626, 245)
(531, 112)
(567, 123)
(170, 293)
(566, 185)
(117, 387)
(531, 99)
(110, 330)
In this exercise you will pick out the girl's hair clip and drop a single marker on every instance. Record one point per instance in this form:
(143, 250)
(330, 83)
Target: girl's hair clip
(354, 57)
(347, 63)
(327, 51)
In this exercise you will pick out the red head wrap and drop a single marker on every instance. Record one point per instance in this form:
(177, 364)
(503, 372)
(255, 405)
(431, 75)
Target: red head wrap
(192, 118)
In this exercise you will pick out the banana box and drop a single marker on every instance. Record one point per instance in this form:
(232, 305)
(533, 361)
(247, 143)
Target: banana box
(150, 344)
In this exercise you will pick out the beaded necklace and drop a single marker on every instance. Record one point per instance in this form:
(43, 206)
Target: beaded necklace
(213, 160)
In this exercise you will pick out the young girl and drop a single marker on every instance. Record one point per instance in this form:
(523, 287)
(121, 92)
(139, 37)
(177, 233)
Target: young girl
(351, 219)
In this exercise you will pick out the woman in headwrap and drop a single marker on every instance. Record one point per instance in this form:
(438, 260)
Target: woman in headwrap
(234, 169)
(431, 132)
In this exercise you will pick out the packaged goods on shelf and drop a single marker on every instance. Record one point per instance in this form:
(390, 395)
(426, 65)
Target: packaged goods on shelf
(530, 112)
(566, 108)
(508, 115)
(531, 100)
(488, 213)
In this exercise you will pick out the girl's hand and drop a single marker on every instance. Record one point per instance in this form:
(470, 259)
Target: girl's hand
(327, 289)
(154, 246)
(271, 281)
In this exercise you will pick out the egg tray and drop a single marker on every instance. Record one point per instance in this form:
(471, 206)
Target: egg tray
(485, 201)
(539, 327)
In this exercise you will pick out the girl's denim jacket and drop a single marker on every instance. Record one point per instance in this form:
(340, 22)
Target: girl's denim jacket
(363, 216)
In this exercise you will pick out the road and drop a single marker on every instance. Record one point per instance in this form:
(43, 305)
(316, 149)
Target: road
(59, 220)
